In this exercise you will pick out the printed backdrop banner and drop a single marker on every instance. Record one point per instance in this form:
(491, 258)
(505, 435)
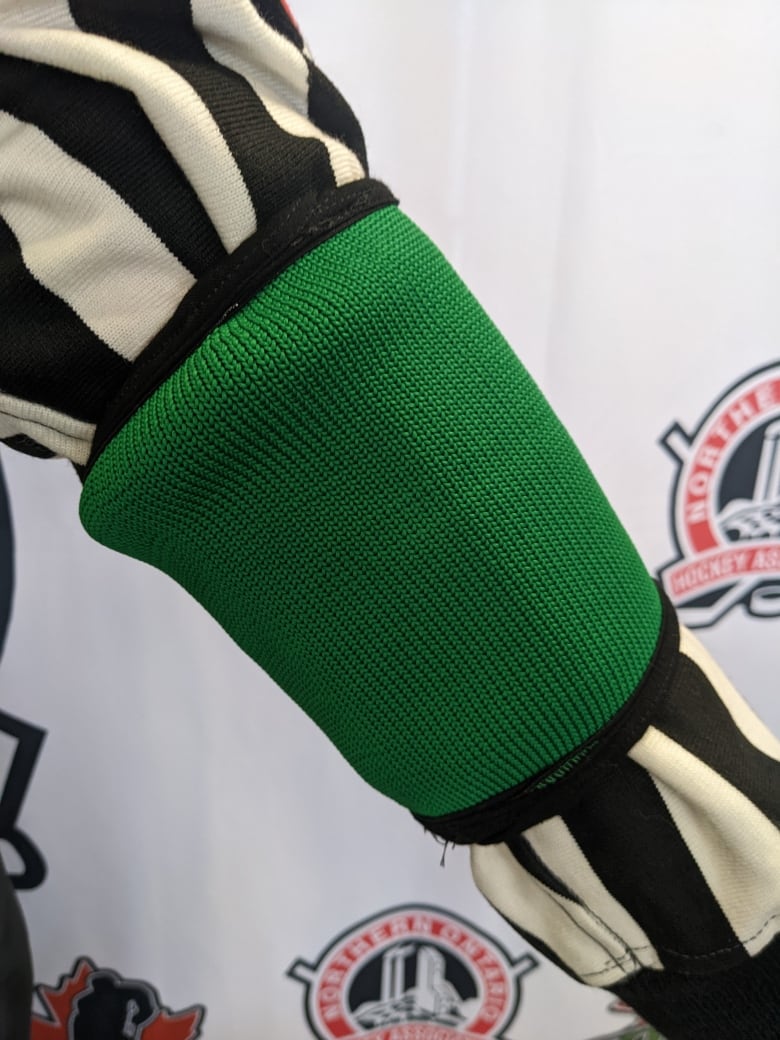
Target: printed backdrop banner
(194, 858)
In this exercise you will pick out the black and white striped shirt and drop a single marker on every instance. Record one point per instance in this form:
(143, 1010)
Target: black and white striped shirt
(140, 145)
(159, 161)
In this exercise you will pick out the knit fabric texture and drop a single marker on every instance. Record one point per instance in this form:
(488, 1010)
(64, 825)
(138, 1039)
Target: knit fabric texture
(359, 480)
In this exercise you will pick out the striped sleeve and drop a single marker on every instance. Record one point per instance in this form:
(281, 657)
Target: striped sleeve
(658, 877)
(144, 149)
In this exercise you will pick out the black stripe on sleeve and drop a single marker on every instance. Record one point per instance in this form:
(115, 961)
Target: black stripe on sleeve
(49, 355)
(104, 128)
(277, 167)
(527, 857)
(329, 111)
(698, 720)
(21, 442)
(740, 1004)
(654, 877)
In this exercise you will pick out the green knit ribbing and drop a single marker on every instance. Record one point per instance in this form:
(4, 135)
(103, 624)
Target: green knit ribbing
(359, 480)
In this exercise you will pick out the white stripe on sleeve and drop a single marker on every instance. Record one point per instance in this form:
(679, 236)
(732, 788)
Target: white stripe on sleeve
(589, 949)
(81, 241)
(60, 433)
(713, 818)
(41, 13)
(556, 847)
(176, 111)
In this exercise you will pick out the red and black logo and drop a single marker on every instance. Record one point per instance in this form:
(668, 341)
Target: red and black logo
(97, 1004)
(726, 505)
(412, 973)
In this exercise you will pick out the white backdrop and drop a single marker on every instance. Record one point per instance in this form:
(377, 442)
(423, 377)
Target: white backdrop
(605, 177)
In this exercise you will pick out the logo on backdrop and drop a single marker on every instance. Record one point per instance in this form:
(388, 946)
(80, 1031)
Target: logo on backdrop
(638, 1030)
(96, 1004)
(412, 973)
(20, 742)
(726, 505)
(20, 745)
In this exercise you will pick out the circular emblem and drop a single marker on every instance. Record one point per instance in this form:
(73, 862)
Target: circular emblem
(412, 973)
(726, 505)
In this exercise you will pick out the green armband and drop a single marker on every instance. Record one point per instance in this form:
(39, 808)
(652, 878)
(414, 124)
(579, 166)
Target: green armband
(359, 480)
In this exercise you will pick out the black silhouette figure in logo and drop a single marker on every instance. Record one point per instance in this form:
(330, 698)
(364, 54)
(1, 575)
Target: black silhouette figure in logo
(112, 1009)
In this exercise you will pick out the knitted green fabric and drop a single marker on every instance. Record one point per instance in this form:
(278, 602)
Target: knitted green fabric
(355, 475)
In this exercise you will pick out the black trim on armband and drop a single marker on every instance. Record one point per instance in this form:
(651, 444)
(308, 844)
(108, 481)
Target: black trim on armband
(305, 224)
(544, 796)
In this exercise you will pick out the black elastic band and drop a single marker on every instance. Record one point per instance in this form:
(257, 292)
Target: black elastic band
(307, 223)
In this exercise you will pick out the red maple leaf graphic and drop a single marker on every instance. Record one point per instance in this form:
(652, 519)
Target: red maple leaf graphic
(58, 1003)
